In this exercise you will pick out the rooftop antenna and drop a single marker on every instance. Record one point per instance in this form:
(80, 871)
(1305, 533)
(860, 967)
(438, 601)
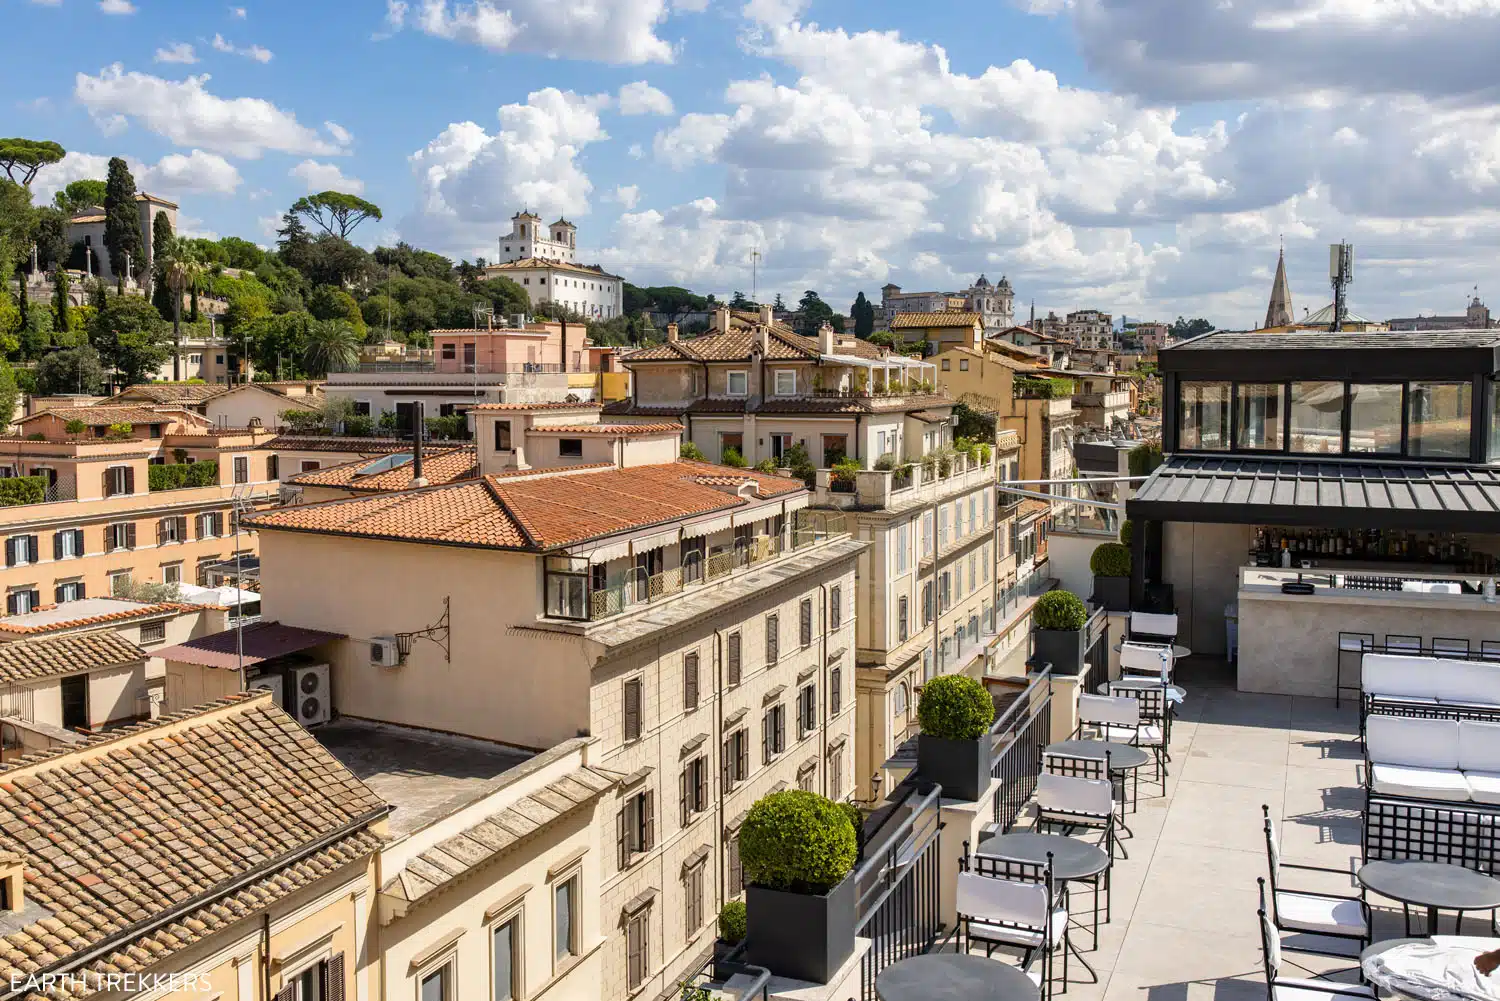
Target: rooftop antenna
(755, 275)
(1340, 274)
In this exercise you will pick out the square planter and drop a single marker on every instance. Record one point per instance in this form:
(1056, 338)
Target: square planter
(800, 935)
(961, 767)
(1113, 593)
(724, 968)
(1063, 647)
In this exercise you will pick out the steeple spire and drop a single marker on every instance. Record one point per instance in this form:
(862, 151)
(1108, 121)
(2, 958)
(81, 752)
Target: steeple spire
(1279, 312)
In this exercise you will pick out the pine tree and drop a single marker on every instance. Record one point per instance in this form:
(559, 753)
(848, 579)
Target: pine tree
(122, 218)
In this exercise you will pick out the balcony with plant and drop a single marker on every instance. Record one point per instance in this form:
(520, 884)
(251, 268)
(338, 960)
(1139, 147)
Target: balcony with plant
(182, 475)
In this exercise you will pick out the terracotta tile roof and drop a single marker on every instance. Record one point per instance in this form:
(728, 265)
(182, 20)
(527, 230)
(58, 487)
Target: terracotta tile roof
(27, 660)
(550, 405)
(1030, 506)
(169, 392)
(948, 318)
(784, 344)
(535, 263)
(438, 466)
(334, 443)
(545, 471)
(443, 863)
(713, 405)
(658, 428)
(534, 514)
(118, 832)
(103, 415)
(110, 618)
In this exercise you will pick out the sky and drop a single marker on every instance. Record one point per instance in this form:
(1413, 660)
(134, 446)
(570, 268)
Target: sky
(1144, 157)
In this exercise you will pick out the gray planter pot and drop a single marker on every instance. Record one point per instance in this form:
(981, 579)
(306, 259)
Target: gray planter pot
(961, 767)
(1113, 593)
(1063, 647)
(800, 935)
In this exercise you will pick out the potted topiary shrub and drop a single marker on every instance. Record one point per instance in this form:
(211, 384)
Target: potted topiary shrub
(731, 934)
(1058, 618)
(953, 748)
(1111, 566)
(798, 850)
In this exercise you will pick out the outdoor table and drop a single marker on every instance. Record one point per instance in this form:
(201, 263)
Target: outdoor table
(1072, 859)
(1175, 693)
(946, 976)
(1436, 886)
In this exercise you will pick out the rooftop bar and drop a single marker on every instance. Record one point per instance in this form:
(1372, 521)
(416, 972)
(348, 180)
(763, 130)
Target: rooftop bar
(1318, 486)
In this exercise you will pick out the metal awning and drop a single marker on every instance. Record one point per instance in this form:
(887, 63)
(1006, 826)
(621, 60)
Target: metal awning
(1321, 494)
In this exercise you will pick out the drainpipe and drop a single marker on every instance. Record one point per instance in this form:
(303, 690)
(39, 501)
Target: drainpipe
(827, 697)
(419, 413)
(719, 739)
(265, 954)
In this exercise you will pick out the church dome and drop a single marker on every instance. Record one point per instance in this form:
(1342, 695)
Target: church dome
(982, 283)
(1004, 283)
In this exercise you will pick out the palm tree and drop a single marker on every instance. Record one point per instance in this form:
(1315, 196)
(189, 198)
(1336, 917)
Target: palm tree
(179, 270)
(331, 346)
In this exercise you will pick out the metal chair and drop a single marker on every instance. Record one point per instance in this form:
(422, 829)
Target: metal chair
(1279, 988)
(1448, 645)
(1028, 916)
(1155, 731)
(1401, 643)
(1489, 650)
(1349, 643)
(1324, 915)
(1071, 802)
(1150, 659)
(1152, 627)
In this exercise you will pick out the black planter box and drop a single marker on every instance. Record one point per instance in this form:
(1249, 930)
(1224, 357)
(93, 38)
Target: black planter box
(961, 767)
(1063, 647)
(799, 935)
(1113, 593)
(724, 968)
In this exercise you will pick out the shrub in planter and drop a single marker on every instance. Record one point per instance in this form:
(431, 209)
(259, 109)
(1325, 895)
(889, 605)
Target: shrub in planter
(953, 749)
(1111, 566)
(732, 922)
(1059, 618)
(798, 850)
(1127, 533)
(732, 457)
(857, 819)
(691, 451)
(845, 473)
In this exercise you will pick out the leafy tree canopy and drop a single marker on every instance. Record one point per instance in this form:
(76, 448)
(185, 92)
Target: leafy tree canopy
(79, 195)
(414, 263)
(131, 337)
(1190, 328)
(22, 158)
(335, 212)
(75, 370)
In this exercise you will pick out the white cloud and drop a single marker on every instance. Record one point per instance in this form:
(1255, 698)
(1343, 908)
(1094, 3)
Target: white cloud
(627, 195)
(177, 52)
(254, 52)
(195, 172)
(73, 167)
(636, 151)
(237, 12)
(326, 177)
(471, 181)
(186, 113)
(192, 226)
(339, 133)
(640, 98)
(612, 31)
(117, 6)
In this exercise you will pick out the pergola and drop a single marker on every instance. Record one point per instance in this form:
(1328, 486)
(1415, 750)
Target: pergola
(889, 365)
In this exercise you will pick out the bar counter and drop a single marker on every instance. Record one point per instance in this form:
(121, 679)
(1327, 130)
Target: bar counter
(1288, 643)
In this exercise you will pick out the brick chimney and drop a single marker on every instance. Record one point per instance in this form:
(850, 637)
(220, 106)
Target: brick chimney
(767, 315)
(721, 320)
(762, 337)
(672, 333)
(825, 338)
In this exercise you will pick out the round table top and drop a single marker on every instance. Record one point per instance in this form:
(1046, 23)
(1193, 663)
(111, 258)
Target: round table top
(947, 976)
(1071, 858)
(1176, 691)
(1179, 651)
(1120, 755)
(1431, 884)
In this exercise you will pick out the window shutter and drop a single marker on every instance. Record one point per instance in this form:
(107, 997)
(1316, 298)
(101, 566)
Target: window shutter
(35, 549)
(161, 532)
(702, 789)
(109, 538)
(734, 658)
(130, 479)
(109, 483)
(181, 528)
(765, 739)
(780, 729)
(648, 829)
(742, 762)
(130, 536)
(81, 589)
(622, 848)
(835, 690)
(57, 594)
(10, 552)
(77, 542)
(632, 710)
(12, 601)
(57, 545)
(682, 796)
(690, 681)
(287, 993)
(335, 983)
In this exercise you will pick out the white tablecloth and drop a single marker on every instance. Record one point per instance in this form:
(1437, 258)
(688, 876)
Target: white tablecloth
(1441, 969)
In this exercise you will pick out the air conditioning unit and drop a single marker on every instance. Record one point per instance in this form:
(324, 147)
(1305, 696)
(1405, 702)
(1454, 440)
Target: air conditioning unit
(311, 699)
(275, 683)
(384, 653)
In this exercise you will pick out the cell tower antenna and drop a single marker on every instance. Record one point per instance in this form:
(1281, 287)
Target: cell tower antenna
(1340, 274)
(755, 275)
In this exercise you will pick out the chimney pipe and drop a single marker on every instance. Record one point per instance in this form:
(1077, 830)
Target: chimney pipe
(767, 315)
(418, 412)
(825, 338)
(672, 333)
(721, 319)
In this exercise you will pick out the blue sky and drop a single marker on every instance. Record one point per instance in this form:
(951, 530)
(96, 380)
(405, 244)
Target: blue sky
(1139, 156)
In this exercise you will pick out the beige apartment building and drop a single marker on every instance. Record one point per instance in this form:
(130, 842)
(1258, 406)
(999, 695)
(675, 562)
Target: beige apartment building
(694, 622)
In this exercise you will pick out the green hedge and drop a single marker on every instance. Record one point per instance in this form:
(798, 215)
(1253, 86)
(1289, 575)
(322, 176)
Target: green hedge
(733, 922)
(955, 707)
(1060, 610)
(1110, 560)
(175, 476)
(1144, 458)
(797, 841)
(16, 490)
(1042, 389)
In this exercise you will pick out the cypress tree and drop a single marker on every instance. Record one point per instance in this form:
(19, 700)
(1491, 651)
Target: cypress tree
(122, 218)
(161, 249)
(60, 292)
(193, 305)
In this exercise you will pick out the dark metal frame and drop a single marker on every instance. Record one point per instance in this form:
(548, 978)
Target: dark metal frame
(1273, 862)
(898, 906)
(1017, 763)
(1077, 767)
(1273, 980)
(1034, 873)
(1466, 834)
(1366, 643)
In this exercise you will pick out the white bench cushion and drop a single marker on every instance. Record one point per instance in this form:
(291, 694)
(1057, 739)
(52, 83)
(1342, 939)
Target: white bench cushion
(1289, 989)
(1484, 787)
(1153, 624)
(1312, 913)
(1419, 783)
(1397, 674)
(1478, 746)
(1465, 681)
(1417, 743)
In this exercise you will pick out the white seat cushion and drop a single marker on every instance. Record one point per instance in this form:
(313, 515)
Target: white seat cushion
(1419, 783)
(1484, 787)
(1397, 674)
(1415, 743)
(1478, 746)
(1289, 989)
(1466, 681)
(1023, 937)
(1312, 913)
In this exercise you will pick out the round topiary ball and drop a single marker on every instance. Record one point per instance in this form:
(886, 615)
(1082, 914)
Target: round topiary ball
(1110, 560)
(797, 841)
(1060, 610)
(955, 707)
(732, 922)
(1127, 532)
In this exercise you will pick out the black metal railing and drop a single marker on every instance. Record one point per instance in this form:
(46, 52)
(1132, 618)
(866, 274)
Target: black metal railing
(1019, 736)
(1096, 652)
(897, 907)
(709, 980)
